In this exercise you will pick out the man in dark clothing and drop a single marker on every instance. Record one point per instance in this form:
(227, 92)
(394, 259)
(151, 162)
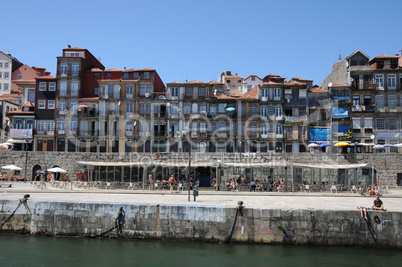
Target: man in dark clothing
(378, 205)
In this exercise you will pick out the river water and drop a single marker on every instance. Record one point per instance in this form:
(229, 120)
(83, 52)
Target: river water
(17, 250)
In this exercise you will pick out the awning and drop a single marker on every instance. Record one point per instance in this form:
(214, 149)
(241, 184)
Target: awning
(331, 166)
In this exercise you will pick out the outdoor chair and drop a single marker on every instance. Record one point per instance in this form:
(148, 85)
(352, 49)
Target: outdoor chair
(353, 189)
(306, 188)
(108, 185)
(332, 188)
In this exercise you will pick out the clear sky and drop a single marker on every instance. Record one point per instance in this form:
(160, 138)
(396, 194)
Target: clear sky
(188, 40)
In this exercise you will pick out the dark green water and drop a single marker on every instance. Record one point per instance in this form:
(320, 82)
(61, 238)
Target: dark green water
(18, 250)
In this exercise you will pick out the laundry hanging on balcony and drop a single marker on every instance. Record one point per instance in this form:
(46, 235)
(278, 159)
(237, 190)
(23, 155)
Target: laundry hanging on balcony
(339, 112)
(319, 134)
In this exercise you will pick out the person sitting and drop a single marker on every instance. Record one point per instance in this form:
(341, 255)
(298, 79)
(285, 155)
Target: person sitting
(363, 211)
(280, 186)
(370, 192)
(378, 205)
(253, 185)
(361, 190)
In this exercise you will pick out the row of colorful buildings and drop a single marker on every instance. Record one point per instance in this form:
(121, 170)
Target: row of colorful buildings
(88, 108)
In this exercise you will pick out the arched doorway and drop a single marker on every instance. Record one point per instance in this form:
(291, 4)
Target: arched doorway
(34, 170)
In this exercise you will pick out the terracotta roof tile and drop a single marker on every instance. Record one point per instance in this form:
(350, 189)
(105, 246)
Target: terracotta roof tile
(21, 112)
(271, 83)
(233, 76)
(226, 97)
(147, 69)
(301, 79)
(252, 94)
(96, 69)
(28, 104)
(318, 90)
(295, 83)
(252, 75)
(214, 82)
(130, 70)
(46, 77)
(385, 56)
(195, 82)
(113, 69)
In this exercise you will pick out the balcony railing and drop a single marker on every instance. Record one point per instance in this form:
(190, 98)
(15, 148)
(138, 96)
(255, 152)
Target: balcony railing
(44, 132)
(361, 108)
(88, 132)
(295, 118)
(88, 113)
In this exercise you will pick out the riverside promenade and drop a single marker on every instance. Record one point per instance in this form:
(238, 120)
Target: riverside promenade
(342, 201)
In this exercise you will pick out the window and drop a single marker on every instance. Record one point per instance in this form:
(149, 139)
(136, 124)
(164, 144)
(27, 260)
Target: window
(74, 88)
(288, 94)
(108, 75)
(174, 91)
(73, 127)
(203, 108)
(50, 126)
(391, 81)
(6, 65)
(1, 74)
(243, 109)
(263, 129)
(146, 75)
(212, 109)
(278, 111)
(148, 108)
(42, 86)
(75, 69)
(203, 127)
(379, 81)
(201, 91)
(335, 93)
(271, 110)
(19, 76)
(380, 124)
(264, 93)
(368, 123)
(263, 111)
(379, 99)
(125, 76)
(136, 76)
(41, 104)
(344, 93)
(277, 94)
(253, 109)
(194, 109)
(0, 86)
(40, 126)
(356, 100)
(221, 108)
(129, 109)
(73, 106)
(141, 109)
(302, 111)
(186, 108)
(221, 127)
(116, 91)
(278, 129)
(393, 124)
(189, 91)
(62, 105)
(96, 91)
(149, 89)
(61, 125)
(52, 86)
(1, 65)
(302, 93)
(63, 88)
(6, 75)
(356, 123)
(253, 78)
(6, 87)
(392, 101)
(63, 69)
(51, 104)
(129, 91)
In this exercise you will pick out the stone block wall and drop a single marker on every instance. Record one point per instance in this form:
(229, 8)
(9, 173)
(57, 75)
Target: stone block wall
(203, 223)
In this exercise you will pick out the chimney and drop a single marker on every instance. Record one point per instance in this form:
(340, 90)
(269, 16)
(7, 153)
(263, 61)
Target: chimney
(124, 68)
(69, 46)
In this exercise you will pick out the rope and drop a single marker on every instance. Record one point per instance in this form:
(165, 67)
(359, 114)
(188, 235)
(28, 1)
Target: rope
(43, 231)
(233, 227)
(372, 232)
(12, 214)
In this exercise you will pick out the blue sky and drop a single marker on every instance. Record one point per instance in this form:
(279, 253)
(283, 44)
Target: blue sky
(188, 40)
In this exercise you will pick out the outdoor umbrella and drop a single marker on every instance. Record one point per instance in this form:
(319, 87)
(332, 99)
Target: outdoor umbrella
(313, 145)
(57, 169)
(325, 144)
(389, 145)
(40, 171)
(11, 167)
(82, 106)
(340, 144)
(378, 147)
(398, 145)
(7, 143)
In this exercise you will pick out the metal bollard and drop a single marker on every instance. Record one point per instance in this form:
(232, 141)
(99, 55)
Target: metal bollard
(195, 194)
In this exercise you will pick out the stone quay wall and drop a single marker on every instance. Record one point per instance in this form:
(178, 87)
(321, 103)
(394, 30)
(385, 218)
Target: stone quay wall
(203, 223)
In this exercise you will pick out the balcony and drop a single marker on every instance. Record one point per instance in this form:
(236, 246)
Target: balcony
(20, 133)
(360, 108)
(88, 132)
(89, 113)
(188, 97)
(44, 132)
(295, 118)
(253, 135)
